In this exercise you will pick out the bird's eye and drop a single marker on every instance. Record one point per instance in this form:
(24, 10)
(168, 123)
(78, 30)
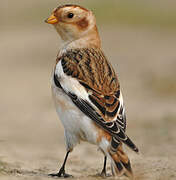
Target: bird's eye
(70, 15)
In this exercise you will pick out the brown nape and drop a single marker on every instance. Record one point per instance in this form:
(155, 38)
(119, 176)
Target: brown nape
(82, 24)
(95, 39)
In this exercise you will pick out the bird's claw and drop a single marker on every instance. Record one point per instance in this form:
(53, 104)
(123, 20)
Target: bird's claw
(61, 174)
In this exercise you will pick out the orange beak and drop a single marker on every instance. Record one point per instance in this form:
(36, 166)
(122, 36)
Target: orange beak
(52, 19)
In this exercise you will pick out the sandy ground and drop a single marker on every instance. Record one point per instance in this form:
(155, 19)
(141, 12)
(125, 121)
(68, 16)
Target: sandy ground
(31, 135)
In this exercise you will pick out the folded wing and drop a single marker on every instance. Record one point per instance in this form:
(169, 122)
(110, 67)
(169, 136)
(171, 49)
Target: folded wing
(104, 101)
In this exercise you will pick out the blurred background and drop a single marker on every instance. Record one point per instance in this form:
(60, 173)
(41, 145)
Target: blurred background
(139, 39)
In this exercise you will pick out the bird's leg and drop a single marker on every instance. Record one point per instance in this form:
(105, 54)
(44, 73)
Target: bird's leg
(61, 172)
(103, 172)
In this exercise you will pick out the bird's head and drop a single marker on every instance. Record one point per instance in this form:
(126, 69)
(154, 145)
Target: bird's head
(74, 22)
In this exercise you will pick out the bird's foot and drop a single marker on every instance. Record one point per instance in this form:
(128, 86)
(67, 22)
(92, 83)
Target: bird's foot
(61, 174)
(64, 175)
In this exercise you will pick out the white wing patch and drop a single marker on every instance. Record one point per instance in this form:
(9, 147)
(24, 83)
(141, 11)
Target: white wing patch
(70, 84)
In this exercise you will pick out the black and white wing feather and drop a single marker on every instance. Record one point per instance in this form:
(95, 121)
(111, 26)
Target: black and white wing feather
(103, 101)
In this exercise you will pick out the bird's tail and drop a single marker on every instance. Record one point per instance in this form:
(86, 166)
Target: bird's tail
(120, 163)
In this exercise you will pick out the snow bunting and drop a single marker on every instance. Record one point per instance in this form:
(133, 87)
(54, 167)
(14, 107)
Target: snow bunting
(86, 90)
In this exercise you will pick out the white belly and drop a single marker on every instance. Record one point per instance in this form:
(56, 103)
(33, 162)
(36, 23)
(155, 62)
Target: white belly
(77, 126)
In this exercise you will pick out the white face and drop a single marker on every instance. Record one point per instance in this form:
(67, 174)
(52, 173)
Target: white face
(63, 14)
(73, 22)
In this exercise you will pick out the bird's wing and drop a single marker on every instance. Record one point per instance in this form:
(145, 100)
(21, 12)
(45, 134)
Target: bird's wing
(103, 103)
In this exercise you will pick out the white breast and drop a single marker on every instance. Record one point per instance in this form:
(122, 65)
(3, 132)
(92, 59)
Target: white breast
(77, 126)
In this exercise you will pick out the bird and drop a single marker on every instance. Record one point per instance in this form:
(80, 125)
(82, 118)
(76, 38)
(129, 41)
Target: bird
(86, 91)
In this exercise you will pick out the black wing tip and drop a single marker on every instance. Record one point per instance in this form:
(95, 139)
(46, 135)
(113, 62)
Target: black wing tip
(136, 150)
(130, 144)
